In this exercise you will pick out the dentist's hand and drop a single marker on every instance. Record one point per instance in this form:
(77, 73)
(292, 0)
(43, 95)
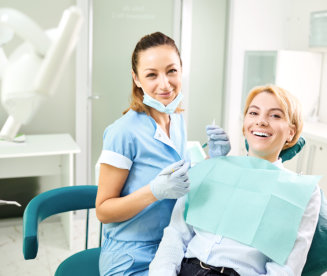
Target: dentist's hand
(171, 182)
(219, 144)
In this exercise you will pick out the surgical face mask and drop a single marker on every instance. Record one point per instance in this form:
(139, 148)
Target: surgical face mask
(169, 109)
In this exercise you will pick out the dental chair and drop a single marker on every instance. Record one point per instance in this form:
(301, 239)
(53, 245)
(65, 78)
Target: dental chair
(64, 199)
(316, 263)
(86, 262)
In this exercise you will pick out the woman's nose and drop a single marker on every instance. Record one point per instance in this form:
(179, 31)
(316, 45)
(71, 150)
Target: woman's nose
(262, 122)
(164, 82)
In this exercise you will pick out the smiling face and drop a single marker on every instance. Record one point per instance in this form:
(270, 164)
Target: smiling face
(159, 73)
(266, 127)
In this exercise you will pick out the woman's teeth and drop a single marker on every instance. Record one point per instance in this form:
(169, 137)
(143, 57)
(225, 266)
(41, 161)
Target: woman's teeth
(261, 134)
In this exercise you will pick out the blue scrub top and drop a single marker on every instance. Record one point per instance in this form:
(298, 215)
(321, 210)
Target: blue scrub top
(135, 142)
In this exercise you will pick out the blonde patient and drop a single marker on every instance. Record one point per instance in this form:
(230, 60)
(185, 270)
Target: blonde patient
(272, 123)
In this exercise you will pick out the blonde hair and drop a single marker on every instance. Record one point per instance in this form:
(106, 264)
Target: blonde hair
(290, 105)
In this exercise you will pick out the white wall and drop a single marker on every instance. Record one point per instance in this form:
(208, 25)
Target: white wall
(251, 28)
(323, 93)
(298, 30)
(208, 54)
(264, 25)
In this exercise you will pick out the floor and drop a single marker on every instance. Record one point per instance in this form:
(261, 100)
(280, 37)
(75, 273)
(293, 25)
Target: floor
(53, 245)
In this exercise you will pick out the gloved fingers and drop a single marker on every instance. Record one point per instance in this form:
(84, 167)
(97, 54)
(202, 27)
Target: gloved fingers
(211, 129)
(173, 167)
(185, 178)
(212, 126)
(186, 183)
(221, 143)
(181, 177)
(182, 181)
(181, 192)
(181, 171)
(222, 137)
(214, 130)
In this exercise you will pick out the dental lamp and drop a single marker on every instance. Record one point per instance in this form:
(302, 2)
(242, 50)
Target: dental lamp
(32, 72)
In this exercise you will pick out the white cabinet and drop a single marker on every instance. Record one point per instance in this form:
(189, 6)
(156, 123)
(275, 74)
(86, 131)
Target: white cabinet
(313, 158)
(42, 155)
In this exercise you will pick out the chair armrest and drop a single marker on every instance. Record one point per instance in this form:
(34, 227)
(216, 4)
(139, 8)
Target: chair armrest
(49, 203)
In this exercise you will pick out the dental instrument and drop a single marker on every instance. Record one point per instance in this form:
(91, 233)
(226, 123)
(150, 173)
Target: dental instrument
(174, 186)
(206, 143)
(34, 69)
(6, 202)
(173, 169)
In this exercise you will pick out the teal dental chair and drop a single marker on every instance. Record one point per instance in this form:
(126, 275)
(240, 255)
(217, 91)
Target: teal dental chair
(84, 263)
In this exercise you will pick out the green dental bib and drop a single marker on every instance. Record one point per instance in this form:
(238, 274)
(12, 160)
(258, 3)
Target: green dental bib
(249, 200)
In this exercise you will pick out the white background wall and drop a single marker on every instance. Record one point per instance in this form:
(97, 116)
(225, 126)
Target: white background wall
(253, 25)
(264, 25)
(206, 86)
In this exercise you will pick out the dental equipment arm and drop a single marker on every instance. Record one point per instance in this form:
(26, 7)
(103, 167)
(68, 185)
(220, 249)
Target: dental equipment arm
(34, 69)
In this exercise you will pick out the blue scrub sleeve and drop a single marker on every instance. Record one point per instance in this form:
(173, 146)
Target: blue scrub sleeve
(118, 148)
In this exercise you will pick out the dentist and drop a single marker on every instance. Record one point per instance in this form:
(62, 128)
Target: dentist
(143, 162)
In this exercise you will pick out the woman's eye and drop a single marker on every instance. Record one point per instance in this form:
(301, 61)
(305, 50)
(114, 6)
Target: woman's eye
(171, 71)
(150, 75)
(276, 116)
(253, 113)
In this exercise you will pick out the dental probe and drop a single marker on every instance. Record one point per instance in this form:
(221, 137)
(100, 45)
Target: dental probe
(206, 143)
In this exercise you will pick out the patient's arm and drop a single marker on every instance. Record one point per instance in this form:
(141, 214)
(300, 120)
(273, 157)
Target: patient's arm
(296, 261)
(177, 235)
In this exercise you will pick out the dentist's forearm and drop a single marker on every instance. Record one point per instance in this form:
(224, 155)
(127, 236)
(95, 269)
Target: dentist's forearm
(119, 209)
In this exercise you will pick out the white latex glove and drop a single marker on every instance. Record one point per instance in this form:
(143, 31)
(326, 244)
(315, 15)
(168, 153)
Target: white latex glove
(172, 182)
(219, 144)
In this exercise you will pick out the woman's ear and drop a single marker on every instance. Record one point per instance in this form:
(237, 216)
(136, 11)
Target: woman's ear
(292, 133)
(136, 80)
